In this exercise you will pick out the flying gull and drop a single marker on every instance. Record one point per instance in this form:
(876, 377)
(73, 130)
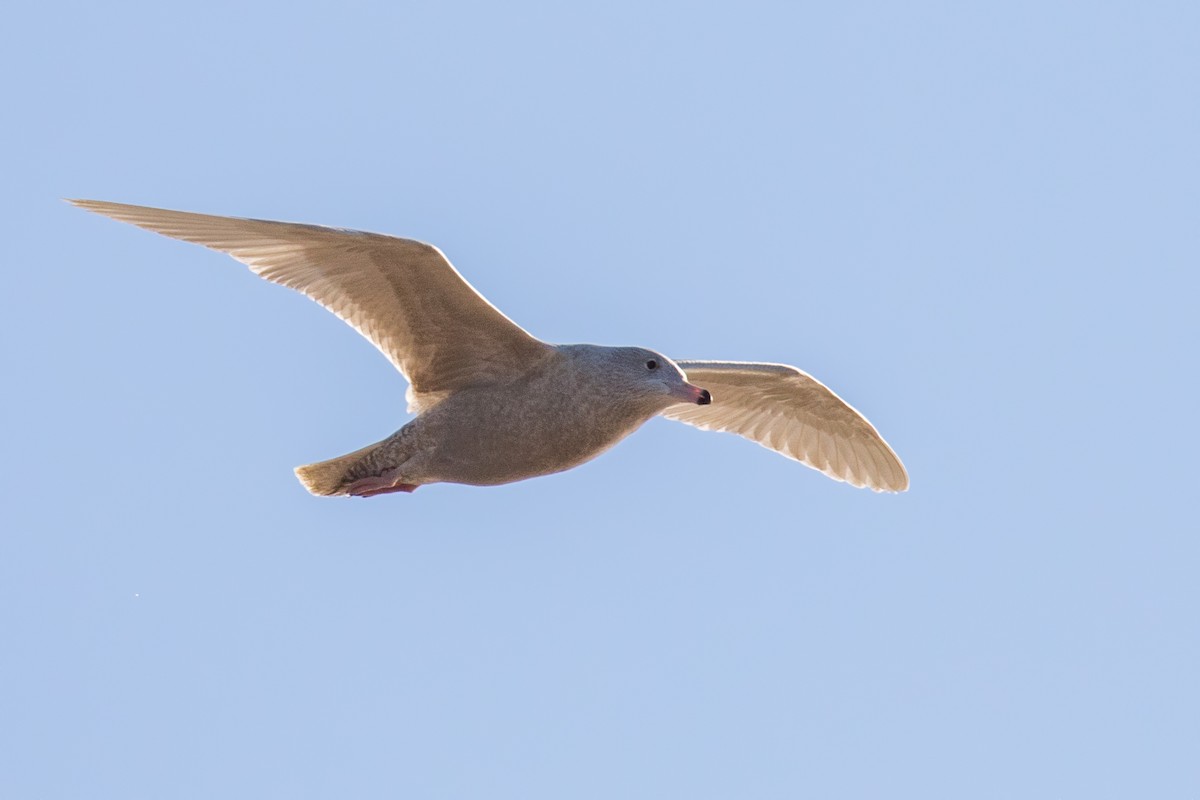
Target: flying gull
(495, 405)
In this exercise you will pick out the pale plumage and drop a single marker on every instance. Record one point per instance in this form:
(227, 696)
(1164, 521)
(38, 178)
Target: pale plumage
(787, 410)
(495, 404)
(402, 295)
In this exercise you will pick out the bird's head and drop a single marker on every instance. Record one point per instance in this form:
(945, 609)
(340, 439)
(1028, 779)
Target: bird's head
(649, 378)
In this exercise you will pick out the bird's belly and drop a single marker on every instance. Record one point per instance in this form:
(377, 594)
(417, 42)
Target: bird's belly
(501, 445)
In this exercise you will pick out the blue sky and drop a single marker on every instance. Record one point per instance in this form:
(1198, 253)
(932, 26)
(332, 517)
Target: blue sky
(976, 222)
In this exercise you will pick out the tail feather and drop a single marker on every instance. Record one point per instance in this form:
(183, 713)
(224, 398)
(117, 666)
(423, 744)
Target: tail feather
(332, 477)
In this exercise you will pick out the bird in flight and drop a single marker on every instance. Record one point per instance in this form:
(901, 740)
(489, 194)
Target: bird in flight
(494, 404)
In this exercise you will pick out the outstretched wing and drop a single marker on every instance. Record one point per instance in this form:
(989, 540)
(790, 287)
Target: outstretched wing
(402, 295)
(791, 412)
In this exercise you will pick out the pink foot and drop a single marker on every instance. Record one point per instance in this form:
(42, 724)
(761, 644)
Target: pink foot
(378, 484)
(399, 487)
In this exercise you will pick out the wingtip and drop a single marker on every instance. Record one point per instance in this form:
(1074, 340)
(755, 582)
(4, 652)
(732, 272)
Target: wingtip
(901, 485)
(87, 205)
(894, 487)
(880, 483)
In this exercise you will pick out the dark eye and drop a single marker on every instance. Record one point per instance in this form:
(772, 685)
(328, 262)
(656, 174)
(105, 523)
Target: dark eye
(652, 364)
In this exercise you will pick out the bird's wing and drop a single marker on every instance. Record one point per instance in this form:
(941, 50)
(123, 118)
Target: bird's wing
(402, 295)
(791, 412)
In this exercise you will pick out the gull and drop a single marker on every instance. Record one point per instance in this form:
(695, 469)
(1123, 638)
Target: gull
(494, 404)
